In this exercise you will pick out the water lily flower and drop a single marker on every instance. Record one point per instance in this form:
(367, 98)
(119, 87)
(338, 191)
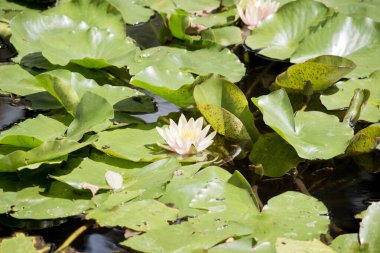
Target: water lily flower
(187, 137)
(252, 12)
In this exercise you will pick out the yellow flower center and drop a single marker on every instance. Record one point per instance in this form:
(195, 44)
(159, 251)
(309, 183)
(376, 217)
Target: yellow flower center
(189, 135)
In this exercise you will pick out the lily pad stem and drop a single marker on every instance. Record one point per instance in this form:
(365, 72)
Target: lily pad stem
(74, 236)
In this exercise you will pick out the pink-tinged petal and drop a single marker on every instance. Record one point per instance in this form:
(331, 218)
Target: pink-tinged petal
(206, 142)
(182, 122)
(204, 132)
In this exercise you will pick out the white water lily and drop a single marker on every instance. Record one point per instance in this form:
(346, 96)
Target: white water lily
(187, 137)
(252, 12)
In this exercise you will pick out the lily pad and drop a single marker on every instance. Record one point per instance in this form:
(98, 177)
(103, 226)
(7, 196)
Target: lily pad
(339, 96)
(313, 134)
(93, 113)
(272, 145)
(18, 81)
(143, 215)
(354, 38)
(226, 110)
(279, 36)
(365, 140)
(347, 243)
(133, 12)
(80, 171)
(198, 233)
(135, 144)
(68, 87)
(167, 72)
(292, 215)
(91, 48)
(20, 243)
(285, 245)
(320, 72)
(28, 133)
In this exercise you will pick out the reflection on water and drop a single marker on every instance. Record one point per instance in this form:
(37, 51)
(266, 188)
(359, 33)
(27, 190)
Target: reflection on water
(9, 114)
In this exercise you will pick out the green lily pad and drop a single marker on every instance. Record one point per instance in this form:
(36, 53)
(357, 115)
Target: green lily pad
(91, 48)
(94, 13)
(135, 144)
(292, 215)
(313, 134)
(354, 38)
(18, 81)
(132, 11)
(280, 35)
(53, 151)
(226, 110)
(339, 96)
(33, 132)
(369, 228)
(199, 233)
(215, 19)
(29, 26)
(60, 201)
(80, 171)
(347, 243)
(364, 8)
(225, 36)
(143, 215)
(93, 113)
(285, 245)
(272, 145)
(68, 87)
(243, 245)
(320, 72)
(167, 72)
(197, 5)
(21, 243)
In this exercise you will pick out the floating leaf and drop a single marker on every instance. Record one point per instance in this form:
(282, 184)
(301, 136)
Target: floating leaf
(20, 243)
(347, 243)
(225, 36)
(144, 215)
(285, 245)
(91, 48)
(132, 11)
(131, 144)
(33, 132)
(339, 96)
(292, 215)
(77, 172)
(17, 81)
(226, 110)
(354, 38)
(272, 145)
(281, 34)
(93, 113)
(313, 134)
(198, 233)
(167, 71)
(320, 72)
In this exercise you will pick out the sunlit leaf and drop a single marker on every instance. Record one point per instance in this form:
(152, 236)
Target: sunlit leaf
(285, 245)
(144, 215)
(354, 38)
(313, 134)
(347, 243)
(132, 11)
(280, 35)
